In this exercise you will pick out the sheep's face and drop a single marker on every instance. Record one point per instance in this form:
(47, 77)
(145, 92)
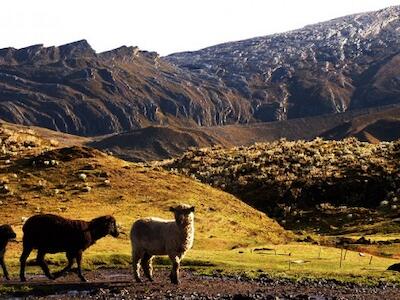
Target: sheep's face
(184, 214)
(7, 232)
(112, 227)
(105, 225)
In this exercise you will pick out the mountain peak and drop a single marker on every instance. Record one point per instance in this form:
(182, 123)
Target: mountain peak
(123, 52)
(38, 54)
(77, 49)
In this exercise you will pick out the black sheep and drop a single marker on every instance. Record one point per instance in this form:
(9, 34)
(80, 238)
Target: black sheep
(6, 234)
(52, 234)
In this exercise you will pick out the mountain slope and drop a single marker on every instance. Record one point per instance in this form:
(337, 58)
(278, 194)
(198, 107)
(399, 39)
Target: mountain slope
(349, 63)
(331, 67)
(75, 90)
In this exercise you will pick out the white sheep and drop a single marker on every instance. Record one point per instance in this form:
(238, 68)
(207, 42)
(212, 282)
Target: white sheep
(155, 236)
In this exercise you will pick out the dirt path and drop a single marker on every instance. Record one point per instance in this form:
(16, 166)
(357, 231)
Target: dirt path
(117, 284)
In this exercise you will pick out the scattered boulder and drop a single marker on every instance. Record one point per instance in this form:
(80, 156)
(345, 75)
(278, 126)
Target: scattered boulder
(86, 189)
(82, 176)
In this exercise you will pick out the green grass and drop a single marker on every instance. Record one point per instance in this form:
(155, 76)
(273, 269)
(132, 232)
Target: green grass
(324, 262)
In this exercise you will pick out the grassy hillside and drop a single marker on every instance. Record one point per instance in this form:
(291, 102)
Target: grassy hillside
(41, 175)
(36, 176)
(319, 184)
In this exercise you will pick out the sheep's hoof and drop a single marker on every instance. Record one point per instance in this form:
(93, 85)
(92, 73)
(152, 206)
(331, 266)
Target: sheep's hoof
(174, 279)
(58, 274)
(138, 280)
(22, 279)
(83, 279)
(7, 277)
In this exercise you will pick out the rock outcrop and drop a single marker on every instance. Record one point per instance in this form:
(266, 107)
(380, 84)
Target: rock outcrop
(73, 89)
(331, 67)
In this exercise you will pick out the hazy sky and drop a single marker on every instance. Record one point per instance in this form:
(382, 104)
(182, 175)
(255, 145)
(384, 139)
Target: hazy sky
(164, 26)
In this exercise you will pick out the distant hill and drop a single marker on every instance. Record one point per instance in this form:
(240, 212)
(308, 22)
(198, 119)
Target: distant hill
(346, 64)
(383, 125)
(156, 143)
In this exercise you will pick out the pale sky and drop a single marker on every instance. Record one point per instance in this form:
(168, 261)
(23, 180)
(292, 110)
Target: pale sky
(165, 26)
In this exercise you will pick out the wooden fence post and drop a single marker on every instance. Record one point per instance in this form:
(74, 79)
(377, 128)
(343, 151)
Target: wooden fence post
(341, 257)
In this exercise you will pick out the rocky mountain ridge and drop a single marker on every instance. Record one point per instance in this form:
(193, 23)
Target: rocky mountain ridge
(349, 63)
(330, 67)
(73, 89)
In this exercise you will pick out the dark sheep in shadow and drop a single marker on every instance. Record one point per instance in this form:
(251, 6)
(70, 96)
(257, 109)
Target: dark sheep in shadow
(6, 234)
(52, 234)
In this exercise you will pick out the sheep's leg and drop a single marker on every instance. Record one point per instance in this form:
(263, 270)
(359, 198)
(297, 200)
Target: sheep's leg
(24, 256)
(62, 272)
(79, 261)
(147, 267)
(136, 265)
(174, 276)
(3, 265)
(42, 263)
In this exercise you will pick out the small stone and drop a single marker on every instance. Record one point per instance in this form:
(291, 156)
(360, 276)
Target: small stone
(384, 203)
(86, 189)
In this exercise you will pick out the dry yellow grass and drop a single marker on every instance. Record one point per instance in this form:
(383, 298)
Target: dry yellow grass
(49, 182)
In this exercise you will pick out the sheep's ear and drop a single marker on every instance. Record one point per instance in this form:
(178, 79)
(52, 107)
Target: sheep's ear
(171, 209)
(191, 209)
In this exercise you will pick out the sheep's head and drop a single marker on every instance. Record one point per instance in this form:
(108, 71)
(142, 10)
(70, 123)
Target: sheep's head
(6, 232)
(184, 214)
(105, 225)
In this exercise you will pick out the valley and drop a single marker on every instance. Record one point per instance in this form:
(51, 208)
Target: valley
(287, 145)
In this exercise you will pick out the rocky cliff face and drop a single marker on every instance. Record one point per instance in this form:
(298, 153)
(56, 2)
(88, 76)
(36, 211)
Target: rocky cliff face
(344, 64)
(331, 67)
(73, 89)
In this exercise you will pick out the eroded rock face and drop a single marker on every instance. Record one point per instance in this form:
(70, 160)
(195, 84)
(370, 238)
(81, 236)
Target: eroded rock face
(72, 88)
(330, 67)
(344, 64)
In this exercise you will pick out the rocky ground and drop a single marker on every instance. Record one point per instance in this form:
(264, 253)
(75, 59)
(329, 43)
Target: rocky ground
(117, 284)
